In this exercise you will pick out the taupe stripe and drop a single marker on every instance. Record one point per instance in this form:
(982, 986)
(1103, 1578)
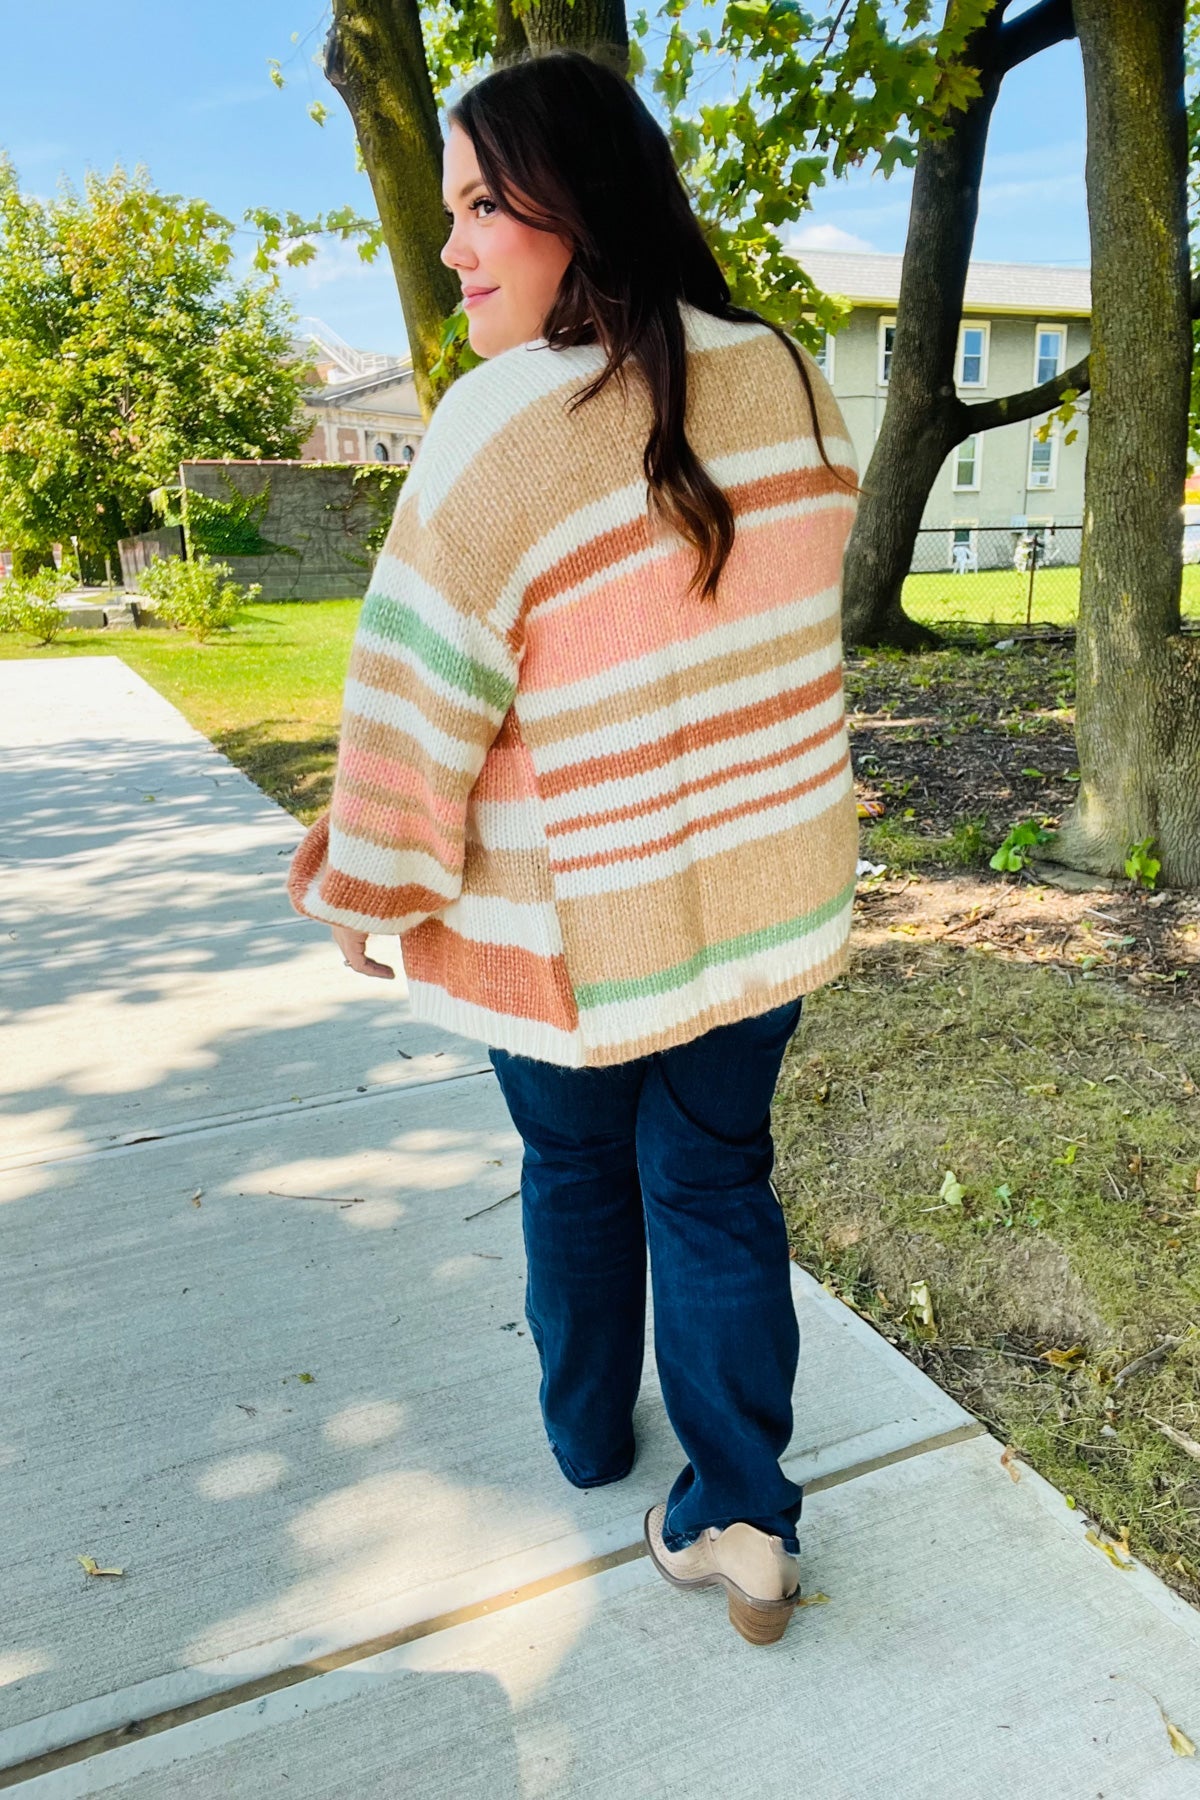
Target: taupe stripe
(636, 701)
(404, 678)
(737, 890)
(521, 875)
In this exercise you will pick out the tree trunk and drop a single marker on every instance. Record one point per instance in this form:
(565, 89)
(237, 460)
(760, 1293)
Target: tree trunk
(598, 26)
(375, 58)
(918, 429)
(1138, 678)
(924, 419)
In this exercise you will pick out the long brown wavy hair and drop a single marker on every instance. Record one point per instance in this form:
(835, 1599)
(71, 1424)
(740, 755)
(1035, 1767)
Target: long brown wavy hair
(572, 135)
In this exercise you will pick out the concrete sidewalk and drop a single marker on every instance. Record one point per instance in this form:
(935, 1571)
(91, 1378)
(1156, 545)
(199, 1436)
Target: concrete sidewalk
(229, 1165)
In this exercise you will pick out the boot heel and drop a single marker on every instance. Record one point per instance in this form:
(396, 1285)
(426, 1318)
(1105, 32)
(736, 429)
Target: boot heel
(760, 1624)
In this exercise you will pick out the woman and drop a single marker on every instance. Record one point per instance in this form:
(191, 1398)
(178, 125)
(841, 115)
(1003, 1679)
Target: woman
(594, 772)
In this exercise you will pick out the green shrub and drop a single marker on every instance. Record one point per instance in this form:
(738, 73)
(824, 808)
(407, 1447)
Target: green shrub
(30, 604)
(197, 596)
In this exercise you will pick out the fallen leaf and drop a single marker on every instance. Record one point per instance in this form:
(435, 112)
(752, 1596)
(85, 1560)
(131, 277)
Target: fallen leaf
(92, 1568)
(1108, 1549)
(813, 1600)
(952, 1190)
(1064, 1359)
(306, 1376)
(196, 1196)
(842, 1236)
(1181, 1743)
(920, 1306)
(1008, 1462)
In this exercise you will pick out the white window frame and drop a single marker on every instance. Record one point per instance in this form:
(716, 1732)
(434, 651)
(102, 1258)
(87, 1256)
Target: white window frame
(971, 487)
(1037, 346)
(1042, 487)
(827, 352)
(882, 369)
(983, 325)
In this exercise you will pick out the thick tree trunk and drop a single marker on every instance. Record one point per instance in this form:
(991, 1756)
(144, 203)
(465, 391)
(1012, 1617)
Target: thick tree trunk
(924, 419)
(1138, 678)
(598, 26)
(375, 58)
(917, 433)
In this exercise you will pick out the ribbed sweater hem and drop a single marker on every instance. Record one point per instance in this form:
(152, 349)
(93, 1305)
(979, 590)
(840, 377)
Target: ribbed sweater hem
(546, 1043)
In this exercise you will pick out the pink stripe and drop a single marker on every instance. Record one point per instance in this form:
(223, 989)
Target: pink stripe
(507, 774)
(404, 780)
(635, 614)
(396, 827)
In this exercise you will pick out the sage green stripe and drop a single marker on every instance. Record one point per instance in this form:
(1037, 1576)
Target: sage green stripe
(398, 624)
(749, 943)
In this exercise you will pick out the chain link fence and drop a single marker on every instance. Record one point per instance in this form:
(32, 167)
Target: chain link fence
(1024, 577)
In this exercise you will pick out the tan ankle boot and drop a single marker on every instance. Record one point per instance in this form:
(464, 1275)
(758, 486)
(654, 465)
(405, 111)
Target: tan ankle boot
(761, 1580)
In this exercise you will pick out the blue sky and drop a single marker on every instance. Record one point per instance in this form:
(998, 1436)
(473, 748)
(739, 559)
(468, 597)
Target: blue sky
(185, 90)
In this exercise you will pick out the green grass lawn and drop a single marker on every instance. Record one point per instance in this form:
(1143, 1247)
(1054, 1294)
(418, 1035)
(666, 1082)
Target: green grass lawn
(268, 693)
(1000, 596)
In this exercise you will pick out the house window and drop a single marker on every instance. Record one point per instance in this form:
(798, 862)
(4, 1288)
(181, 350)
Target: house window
(406, 455)
(973, 355)
(1048, 355)
(824, 356)
(1043, 460)
(381, 453)
(966, 466)
(887, 338)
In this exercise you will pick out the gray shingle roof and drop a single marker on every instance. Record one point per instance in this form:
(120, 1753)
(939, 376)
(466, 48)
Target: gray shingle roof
(869, 277)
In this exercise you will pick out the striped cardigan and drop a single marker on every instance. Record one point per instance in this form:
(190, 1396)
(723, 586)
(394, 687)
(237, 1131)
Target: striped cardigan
(603, 815)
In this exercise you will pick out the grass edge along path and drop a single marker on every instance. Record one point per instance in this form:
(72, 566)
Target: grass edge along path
(267, 693)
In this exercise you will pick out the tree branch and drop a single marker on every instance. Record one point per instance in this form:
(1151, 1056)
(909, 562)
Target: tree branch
(1011, 409)
(1034, 31)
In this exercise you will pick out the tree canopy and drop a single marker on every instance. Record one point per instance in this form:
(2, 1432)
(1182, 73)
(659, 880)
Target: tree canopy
(125, 346)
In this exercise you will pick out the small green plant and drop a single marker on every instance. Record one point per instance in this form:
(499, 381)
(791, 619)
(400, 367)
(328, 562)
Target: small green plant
(197, 596)
(1011, 855)
(968, 842)
(30, 604)
(1140, 866)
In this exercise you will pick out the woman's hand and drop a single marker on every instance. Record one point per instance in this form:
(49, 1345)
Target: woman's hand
(353, 946)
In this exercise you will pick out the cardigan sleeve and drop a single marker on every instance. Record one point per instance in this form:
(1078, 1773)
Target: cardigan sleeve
(433, 672)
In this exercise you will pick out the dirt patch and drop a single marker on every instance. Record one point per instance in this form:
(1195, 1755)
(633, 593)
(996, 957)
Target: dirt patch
(953, 749)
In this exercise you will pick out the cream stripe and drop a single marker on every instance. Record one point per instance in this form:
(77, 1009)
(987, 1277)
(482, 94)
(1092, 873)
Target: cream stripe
(666, 780)
(493, 919)
(695, 809)
(696, 709)
(381, 708)
(508, 824)
(362, 860)
(771, 821)
(726, 640)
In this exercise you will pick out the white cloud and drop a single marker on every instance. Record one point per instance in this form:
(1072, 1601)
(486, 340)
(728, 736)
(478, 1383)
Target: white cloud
(826, 237)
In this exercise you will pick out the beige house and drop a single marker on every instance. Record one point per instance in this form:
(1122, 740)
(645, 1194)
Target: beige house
(362, 406)
(1022, 324)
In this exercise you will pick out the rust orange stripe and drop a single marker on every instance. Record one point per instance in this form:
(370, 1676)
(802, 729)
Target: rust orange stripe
(622, 764)
(672, 839)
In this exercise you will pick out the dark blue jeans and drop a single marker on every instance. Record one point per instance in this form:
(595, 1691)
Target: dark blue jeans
(672, 1150)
